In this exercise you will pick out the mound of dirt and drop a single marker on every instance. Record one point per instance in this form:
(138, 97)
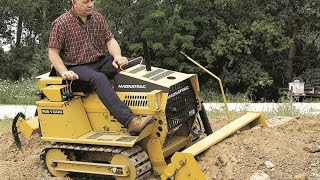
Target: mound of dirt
(21, 164)
(289, 149)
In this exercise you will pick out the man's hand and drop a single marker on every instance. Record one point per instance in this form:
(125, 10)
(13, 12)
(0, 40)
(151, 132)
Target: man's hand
(117, 61)
(70, 75)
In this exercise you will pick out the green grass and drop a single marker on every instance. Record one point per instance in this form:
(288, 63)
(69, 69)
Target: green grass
(233, 115)
(213, 96)
(220, 117)
(286, 108)
(18, 92)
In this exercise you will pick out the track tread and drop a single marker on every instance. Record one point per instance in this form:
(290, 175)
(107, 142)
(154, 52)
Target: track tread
(138, 157)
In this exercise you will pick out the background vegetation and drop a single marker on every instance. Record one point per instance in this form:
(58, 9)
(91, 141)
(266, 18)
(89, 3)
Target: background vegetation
(19, 92)
(255, 46)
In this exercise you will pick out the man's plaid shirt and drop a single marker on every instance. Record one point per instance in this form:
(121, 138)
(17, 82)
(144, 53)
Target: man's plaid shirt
(80, 42)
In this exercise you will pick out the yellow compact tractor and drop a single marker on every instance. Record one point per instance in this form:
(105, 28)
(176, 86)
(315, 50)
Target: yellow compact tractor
(87, 141)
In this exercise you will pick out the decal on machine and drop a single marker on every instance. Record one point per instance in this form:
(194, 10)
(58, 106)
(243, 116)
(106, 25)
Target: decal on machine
(133, 86)
(52, 111)
(178, 92)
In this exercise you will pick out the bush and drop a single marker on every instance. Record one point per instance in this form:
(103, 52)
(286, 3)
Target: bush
(24, 62)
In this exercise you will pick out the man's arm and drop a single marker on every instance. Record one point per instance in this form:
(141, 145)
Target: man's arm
(59, 65)
(115, 51)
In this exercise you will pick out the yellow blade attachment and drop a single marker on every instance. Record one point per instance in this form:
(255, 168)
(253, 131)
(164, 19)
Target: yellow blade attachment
(184, 166)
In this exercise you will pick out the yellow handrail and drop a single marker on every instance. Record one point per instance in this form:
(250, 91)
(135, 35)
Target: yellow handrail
(216, 77)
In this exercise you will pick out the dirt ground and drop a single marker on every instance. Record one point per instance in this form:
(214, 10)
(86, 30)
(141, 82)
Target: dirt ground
(289, 149)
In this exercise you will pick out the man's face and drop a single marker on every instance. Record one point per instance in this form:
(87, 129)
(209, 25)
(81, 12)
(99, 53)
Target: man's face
(83, 7)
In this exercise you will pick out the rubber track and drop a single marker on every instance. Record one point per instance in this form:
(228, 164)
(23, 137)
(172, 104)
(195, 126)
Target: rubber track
(138, 157)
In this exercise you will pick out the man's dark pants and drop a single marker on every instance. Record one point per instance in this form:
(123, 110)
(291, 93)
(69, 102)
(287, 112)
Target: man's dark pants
(97, 75)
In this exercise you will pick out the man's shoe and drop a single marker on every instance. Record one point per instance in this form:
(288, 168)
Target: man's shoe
(137, 124)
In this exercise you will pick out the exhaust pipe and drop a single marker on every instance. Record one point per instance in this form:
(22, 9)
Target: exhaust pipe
(146, 55)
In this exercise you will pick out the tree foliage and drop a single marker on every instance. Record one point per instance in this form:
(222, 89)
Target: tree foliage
(255, 46)
(25, 25)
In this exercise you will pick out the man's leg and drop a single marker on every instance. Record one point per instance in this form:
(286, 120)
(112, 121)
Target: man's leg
(105, 92)
(137, 123)
(105, 66)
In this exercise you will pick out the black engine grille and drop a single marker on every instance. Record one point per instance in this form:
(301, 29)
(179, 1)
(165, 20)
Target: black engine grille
(181, 104)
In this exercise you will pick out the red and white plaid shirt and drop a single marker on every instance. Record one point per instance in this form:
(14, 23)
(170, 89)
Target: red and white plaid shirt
(80, 42)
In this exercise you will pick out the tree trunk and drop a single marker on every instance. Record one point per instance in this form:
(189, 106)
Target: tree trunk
(291, 57)
(44, 34)
(19, 32)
